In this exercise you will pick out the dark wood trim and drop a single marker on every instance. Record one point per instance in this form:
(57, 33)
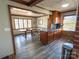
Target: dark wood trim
(43, 8)
(34, 2)
(11, 27)
(20, 1)
(69, 11)
(30, 3)
(69, 15)
(28, 10)
(74, 10)
(28, 16)
(12, 56)
(23, 15)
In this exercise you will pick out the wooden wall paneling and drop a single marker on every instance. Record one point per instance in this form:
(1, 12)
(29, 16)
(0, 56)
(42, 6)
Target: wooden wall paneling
(77, 30)
(76, 37)
(77, 23)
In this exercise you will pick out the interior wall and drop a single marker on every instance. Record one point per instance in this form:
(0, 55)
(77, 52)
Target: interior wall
(6, 47)
(34, 23)
(44, 20)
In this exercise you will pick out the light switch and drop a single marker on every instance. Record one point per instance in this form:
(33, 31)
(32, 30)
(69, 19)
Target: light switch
(6, 29)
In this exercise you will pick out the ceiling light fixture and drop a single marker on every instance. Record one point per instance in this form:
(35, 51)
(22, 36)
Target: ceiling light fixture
(65, 5)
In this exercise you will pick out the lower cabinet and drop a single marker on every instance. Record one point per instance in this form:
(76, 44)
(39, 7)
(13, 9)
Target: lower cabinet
(48, 37)
(44, 37)
(57, 35)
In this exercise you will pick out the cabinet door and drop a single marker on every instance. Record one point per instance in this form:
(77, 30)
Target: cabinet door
(44, 37)
(57, 35)
(50, 37)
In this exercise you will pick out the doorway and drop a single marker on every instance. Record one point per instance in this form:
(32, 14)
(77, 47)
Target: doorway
(23, 28)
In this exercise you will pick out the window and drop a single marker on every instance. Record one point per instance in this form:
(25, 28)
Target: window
(69, 23)
(22, 23)
(29, 23)
(40, 21)
(16, 23)
(25, 23)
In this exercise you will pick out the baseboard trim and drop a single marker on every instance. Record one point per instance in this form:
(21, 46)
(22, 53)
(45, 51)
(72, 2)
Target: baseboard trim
(12, 56)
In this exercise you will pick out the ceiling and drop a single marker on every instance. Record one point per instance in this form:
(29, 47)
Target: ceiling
(56, 5)
(17, 11)
(50, 4)
(28, 2)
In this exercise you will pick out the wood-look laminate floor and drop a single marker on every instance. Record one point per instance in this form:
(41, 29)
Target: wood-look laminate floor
(31, 48)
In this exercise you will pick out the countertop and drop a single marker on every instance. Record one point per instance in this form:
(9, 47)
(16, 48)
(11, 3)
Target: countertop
(48, 30)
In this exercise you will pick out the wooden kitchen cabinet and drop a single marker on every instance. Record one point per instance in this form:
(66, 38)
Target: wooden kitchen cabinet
(50, 37)
(44, 37)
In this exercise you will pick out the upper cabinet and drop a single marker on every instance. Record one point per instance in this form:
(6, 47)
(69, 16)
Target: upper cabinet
(55, 18)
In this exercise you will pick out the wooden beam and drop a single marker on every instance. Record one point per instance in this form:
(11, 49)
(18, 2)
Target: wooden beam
(25, 15)
(28, 10)
(43, 8)
(69, 11)
(20, 1)
(34, 2)
(30, 3)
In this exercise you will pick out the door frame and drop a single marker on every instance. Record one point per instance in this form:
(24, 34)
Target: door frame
(11, 28)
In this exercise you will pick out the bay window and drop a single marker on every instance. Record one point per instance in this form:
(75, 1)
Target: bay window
(22, 23)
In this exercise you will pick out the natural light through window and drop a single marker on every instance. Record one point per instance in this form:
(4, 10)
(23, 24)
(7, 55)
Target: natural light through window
(22, 23)
(69, 23)
(29, 23)
(16, 24)
(25, 23)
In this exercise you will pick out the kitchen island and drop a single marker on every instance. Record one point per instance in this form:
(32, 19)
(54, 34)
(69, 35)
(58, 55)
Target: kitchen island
(49, 35)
